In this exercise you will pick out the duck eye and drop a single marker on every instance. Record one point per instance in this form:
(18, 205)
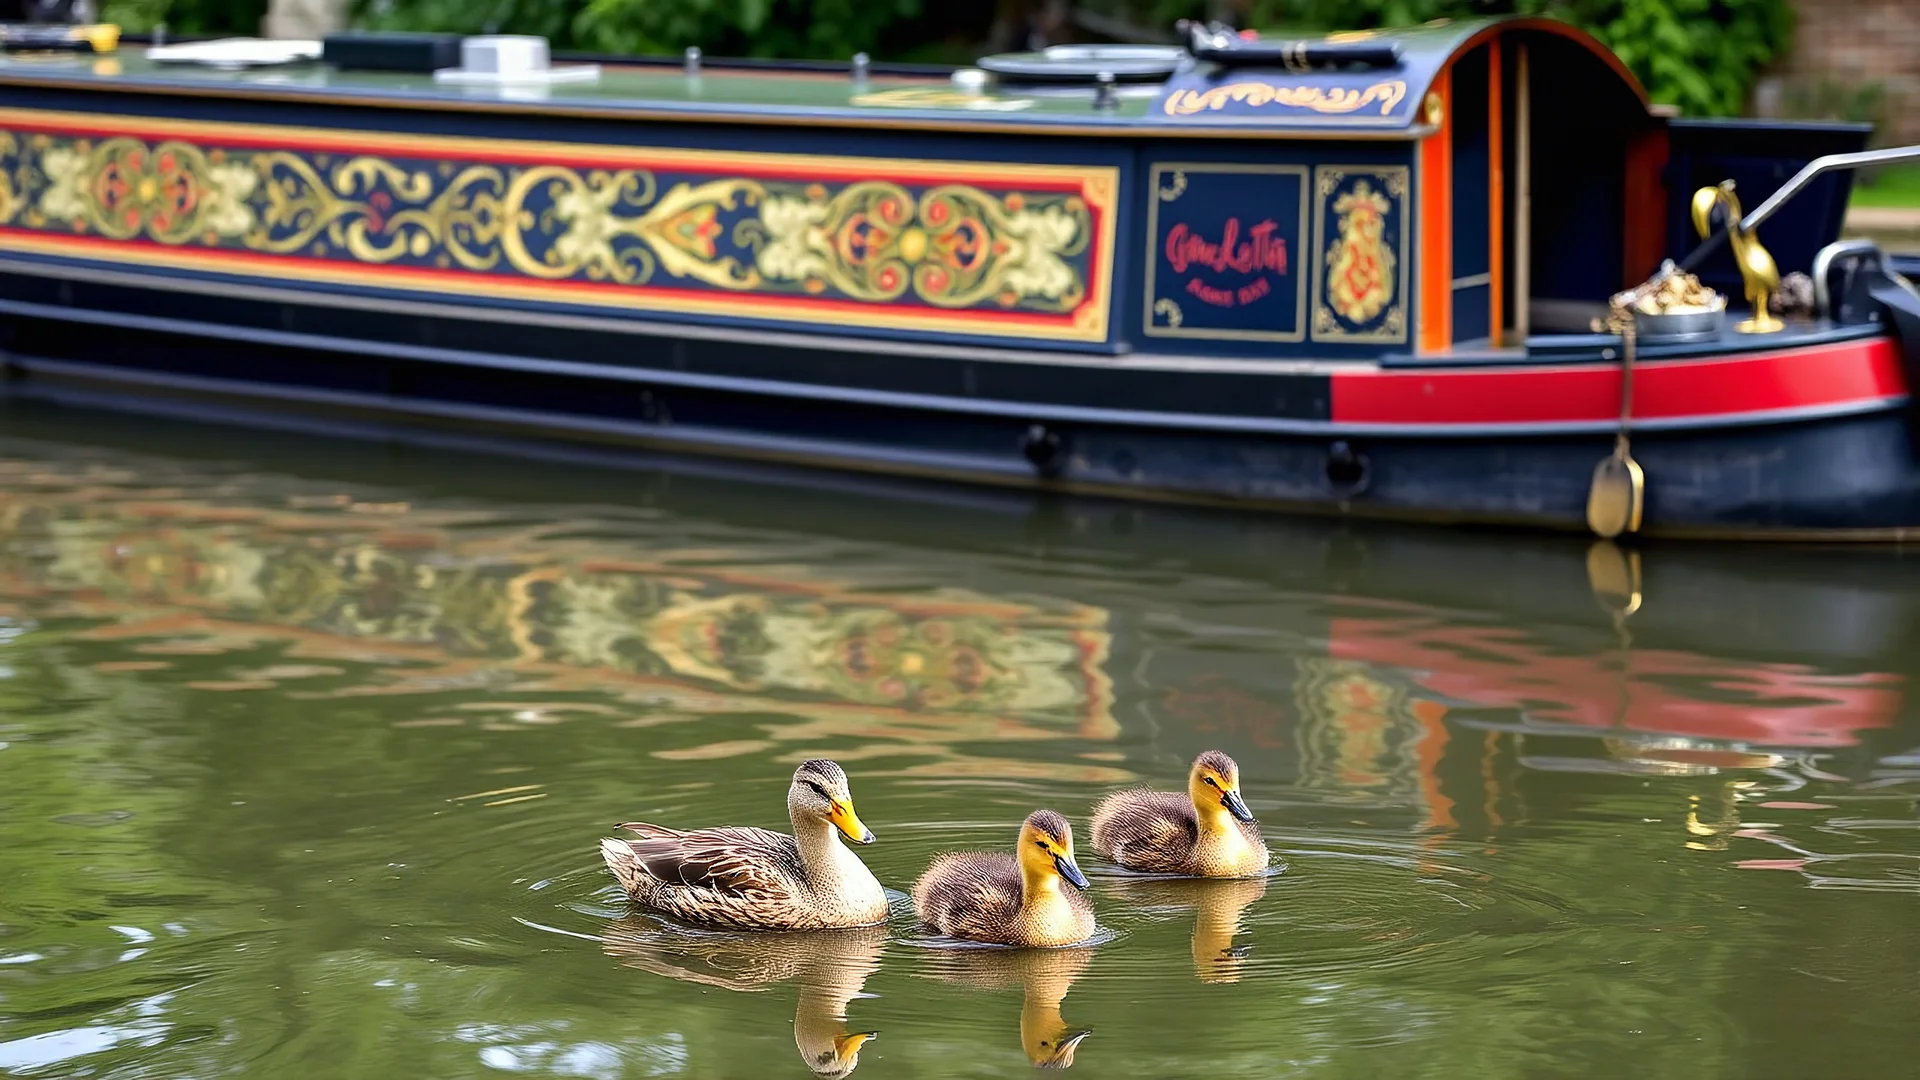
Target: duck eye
(1211, 782)
(820, 791)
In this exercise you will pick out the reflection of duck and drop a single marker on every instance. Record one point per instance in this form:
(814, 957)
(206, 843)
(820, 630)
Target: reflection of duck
(830, 966)
(1044, 976)
(756, 879)
(1010, 900)
(1208, 832)
(1217, 908)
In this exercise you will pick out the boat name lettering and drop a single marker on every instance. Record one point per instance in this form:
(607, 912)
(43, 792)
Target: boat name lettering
(1260, 251)
(1256, 95)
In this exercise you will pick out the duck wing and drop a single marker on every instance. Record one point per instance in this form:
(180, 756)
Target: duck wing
(1146, 830)
(729, 863)
(969, 895)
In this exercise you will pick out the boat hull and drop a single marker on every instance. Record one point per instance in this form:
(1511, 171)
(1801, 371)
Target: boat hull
(1836, 460)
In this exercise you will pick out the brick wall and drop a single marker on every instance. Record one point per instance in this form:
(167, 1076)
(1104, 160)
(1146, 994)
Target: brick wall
(1850, 44)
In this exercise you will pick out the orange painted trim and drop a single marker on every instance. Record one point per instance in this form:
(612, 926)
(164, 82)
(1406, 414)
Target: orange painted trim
(1553, 28)
(1646, 201)
(1497, 192)
(1435, 252)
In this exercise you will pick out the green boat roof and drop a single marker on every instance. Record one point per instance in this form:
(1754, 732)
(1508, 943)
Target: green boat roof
(1199, 99)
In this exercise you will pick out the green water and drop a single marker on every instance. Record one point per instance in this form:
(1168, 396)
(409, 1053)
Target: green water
(306, 746)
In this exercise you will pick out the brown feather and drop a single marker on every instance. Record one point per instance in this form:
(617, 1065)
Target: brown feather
(749, 878)
(978, 896)
(1157, 832)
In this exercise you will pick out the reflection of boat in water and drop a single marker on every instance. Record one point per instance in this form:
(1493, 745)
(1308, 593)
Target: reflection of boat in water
(1419, 666)
(828, 968)
(691, 629)
(1043, 975)
(1217, 907)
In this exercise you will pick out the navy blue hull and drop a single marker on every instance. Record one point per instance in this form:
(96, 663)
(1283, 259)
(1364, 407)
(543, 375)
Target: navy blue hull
(1200, 435)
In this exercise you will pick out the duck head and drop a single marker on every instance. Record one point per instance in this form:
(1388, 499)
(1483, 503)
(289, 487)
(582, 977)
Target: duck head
(1214, 785)
(820, 793)
(1046, 849)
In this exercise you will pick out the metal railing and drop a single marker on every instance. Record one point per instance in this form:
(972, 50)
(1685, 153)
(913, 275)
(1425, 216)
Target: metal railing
(1812, 171)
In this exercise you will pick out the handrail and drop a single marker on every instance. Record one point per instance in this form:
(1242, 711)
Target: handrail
(1807, 174)
(1823, 265)
(1884, 156)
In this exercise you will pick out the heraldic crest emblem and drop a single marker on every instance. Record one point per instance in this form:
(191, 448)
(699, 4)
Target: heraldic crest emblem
(1360, 266)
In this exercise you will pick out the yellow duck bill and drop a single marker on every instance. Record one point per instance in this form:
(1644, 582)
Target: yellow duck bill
(849, 824)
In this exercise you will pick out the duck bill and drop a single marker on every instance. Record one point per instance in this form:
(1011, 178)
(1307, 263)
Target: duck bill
(848, 823)
(1070, 870)
(1062, 1056)
(1236, 806)
(846, 1046)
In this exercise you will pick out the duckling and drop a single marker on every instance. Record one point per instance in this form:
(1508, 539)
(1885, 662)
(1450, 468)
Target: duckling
(1010, 900)
(755, 879)
(1208, 833)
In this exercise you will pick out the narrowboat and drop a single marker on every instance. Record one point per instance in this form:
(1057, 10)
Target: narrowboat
(1462, 272)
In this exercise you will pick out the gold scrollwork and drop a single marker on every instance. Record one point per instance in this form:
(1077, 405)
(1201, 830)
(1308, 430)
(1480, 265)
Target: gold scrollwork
(950, 245)
(1174, 188)
(1260, 95)
(1168, 310)
(927, 97)
(954, 246)
(9, 204)
(1361, 290)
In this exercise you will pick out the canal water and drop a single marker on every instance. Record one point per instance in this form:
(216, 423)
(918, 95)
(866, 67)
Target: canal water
(306, 745)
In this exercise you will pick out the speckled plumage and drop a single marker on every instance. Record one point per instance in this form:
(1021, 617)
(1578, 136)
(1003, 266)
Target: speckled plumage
(1161, 832)
(746, 878)
(986, 896)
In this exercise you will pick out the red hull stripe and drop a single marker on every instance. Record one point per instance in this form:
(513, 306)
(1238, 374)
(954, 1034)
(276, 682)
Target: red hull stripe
(1813, 377)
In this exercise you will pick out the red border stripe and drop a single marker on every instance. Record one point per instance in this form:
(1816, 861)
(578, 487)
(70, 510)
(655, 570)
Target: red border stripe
(1841, 373)
(226, 260)
(806, 167)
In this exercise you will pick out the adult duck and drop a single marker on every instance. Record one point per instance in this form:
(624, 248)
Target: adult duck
(744, 878)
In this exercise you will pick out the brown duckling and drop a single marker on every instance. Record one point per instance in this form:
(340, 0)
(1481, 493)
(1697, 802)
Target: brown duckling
(756, 879)
(1208, 832)
(1010, 900)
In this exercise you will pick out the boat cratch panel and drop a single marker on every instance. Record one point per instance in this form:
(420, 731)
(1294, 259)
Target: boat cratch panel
(1225, 260)
(1360, 232)
(1021, 251)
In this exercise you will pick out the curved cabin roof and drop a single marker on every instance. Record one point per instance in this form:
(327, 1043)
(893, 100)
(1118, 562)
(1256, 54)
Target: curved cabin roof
(1387, 97)
(1378, 97)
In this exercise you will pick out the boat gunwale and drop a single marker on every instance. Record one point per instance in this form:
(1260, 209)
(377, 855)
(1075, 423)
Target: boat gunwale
(1037, 125)
(564, 428)
(1002, 408)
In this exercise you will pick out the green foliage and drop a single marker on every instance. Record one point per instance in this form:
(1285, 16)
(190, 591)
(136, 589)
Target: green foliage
(551, 19)
(187, 16)
(1702, 55)
(822, 29)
